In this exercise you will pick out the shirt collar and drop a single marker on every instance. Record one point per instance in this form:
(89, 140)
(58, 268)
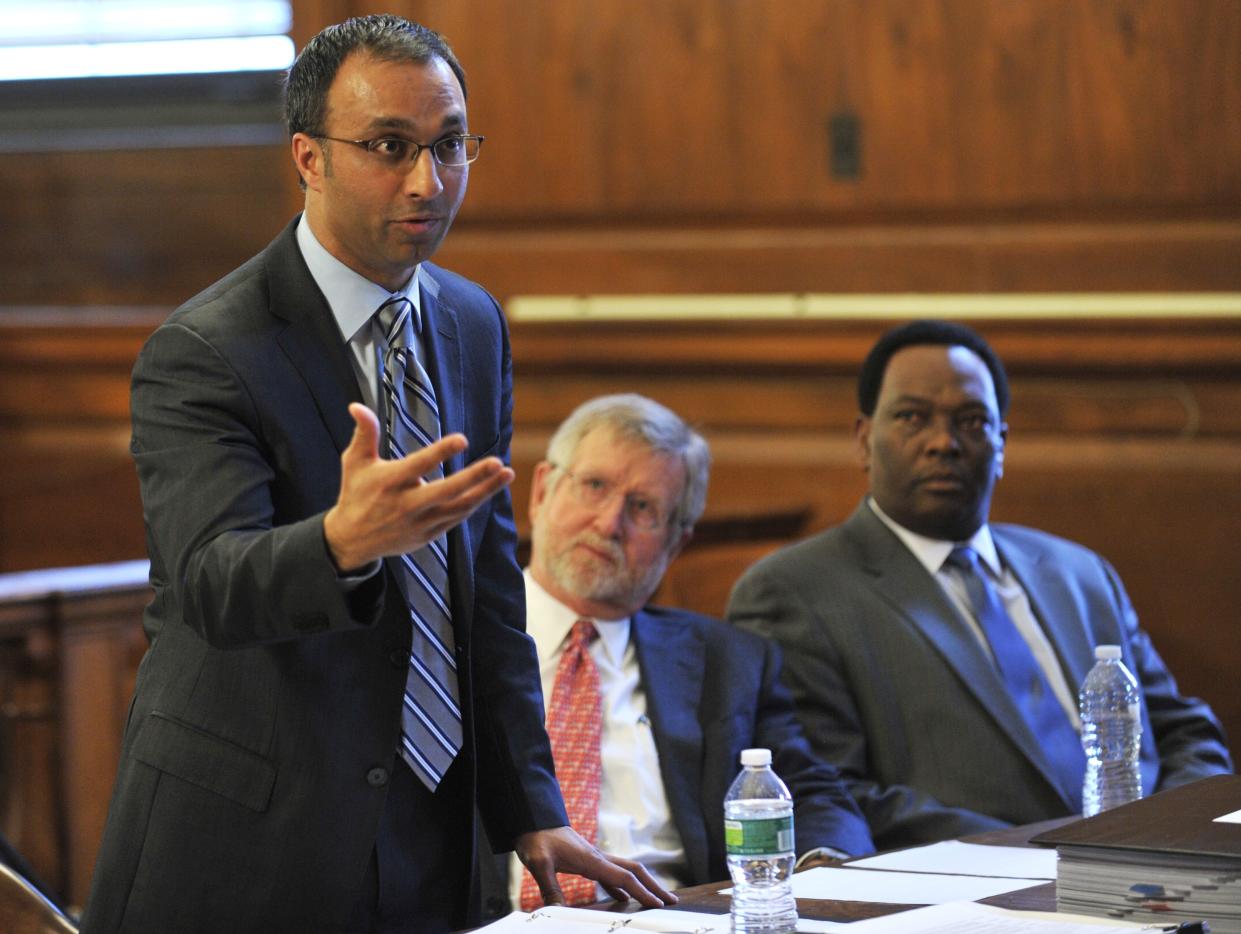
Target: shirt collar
(933, 552)
(548, 622)
(353, 298)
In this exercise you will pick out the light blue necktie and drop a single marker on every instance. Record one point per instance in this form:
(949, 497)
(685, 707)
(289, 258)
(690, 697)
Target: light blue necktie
(1023, 676)
(431, 713)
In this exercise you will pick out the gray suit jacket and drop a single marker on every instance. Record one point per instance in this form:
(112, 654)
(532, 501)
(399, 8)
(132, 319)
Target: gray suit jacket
(894, 688)
(266, 714)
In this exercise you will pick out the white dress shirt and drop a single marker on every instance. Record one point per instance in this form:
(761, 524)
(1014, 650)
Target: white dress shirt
(634, 819)
(933, 552)
(354, 299)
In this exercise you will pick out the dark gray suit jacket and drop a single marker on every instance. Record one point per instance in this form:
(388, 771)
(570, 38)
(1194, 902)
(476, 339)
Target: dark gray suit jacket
(712, 691)
(894, 688)
(266, 715)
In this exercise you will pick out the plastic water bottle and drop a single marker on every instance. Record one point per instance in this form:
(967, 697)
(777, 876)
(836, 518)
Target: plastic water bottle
(758, 836)
(1111, 709)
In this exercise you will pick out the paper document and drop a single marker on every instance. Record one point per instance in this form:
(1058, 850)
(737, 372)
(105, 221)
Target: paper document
(559, 920)
(969, 918)
(1233, 818)
(968, 859)
(899, 888)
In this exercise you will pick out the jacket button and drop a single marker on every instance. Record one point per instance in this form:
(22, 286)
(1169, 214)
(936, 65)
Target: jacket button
(398, 659)
(377, 777)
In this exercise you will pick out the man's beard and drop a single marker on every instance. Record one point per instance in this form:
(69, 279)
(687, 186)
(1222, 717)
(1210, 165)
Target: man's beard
(600, 581)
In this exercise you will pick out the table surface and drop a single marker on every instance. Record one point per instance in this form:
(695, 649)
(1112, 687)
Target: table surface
(706, 898)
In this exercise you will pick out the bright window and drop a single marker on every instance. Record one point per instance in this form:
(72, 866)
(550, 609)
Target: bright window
(97, 38)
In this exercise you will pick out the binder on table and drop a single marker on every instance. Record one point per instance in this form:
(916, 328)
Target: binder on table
(1166, 858)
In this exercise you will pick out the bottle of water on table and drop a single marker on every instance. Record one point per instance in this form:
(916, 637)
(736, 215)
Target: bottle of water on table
(1111, 710)
(758, 835)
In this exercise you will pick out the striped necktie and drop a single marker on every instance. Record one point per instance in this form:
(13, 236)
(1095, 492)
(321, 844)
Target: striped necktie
(431, 712)
(575, 727)
(1027, 684)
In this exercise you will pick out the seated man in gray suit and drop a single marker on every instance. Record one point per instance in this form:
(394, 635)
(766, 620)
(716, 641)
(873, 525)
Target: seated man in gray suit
(936, 657)
(649, 708)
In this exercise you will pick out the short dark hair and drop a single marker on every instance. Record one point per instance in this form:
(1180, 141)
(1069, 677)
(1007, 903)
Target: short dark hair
(917, 333)
(385, 36)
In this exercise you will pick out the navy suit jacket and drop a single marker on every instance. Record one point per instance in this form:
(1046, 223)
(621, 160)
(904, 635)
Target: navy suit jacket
(266, 715)
(712, 691)
(894, 687)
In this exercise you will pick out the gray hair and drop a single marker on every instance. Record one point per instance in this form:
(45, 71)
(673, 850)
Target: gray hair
(637, 418)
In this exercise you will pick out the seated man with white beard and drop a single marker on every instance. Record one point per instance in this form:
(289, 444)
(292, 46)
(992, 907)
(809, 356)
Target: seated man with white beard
(648, 708)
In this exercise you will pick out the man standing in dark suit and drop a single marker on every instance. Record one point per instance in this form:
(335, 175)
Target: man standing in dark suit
(936, 657)
(676, 696)
(338, 668)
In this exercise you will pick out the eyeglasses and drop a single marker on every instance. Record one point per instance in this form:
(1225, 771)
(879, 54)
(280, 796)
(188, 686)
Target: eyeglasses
(397, 152)
(641, 511)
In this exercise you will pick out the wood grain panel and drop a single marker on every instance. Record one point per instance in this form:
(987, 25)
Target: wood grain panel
(836, 256)
(135, 227)
(684, 145)
(70, 645)
(962, 103)
(102, 645)
(30, 802)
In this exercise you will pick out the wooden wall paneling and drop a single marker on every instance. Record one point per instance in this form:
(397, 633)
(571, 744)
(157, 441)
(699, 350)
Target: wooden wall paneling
(69, 507)
(310, 16)
(834, 256)
(135, 227)
(31, 813)
(1149, 118)
(964, 104)
(70, 644)
(102, 644)
(1041, 145)
(68, 490)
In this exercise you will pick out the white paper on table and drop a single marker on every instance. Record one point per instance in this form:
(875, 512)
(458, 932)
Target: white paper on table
(899, 888)
(968, 859)
(560, 920)
(971, 918)
(1233, 818)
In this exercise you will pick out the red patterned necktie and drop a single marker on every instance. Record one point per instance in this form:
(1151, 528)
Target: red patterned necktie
(574, 725)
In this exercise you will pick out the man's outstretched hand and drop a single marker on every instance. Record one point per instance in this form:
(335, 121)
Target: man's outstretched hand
(387, 507)
(562, 849)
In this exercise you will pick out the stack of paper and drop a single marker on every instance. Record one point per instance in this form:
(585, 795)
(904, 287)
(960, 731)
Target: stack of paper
(1151, 888)
(1175, 856)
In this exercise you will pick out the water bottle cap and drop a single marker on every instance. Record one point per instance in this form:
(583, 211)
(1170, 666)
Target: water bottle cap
(756, 757)
(1107, 653)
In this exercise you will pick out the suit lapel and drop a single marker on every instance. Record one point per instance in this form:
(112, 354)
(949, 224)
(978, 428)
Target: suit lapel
(1051, 602)
(439, 335)
(312, 338)
(443, 354)
(904, 583)
(670, 659)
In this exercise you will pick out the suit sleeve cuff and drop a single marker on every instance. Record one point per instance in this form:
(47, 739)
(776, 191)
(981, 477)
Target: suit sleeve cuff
(826, 852)
(350, 581)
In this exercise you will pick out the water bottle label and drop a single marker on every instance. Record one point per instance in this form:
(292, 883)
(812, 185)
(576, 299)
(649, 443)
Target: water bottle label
(766, 837)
